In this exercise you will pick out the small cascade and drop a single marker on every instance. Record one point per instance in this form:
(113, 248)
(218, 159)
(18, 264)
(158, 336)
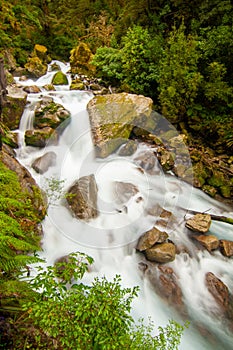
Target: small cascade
(111, 238)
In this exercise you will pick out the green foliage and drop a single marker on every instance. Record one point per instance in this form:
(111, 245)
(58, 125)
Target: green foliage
(95, 316)
(179, 78)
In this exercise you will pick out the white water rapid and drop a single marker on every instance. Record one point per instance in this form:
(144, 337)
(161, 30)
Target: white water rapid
(111, 238)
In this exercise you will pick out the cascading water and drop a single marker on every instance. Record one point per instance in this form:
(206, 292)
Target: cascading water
(110, 239)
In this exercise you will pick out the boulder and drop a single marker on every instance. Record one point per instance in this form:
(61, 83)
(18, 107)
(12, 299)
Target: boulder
(50, 114)
(199, 223)
(128, 149)
(146, 160)
(40, 51)
(162, 253)
(113, 117)
(13, 110)
(32, 89)
(218, 290)
(149, 238)
(226, 247)
(80, 60)
(28, 184)
(210, 242)
(123, 191)
(60, 78)
(82, 198)
(42, 164)
(41, 137)
(36, 67)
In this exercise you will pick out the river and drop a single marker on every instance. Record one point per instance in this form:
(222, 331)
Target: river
(111, 238)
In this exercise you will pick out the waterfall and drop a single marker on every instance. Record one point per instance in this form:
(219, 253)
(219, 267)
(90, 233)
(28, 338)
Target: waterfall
(110, 239)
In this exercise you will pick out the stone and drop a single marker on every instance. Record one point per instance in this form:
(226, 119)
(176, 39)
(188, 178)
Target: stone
(200, 174)
(51, 114)
(123, 191)
(49, 87)
(162, 253)
(218, 290)
(169, 286)
(82, 198)
(113, 117)
(13, 110)
(199, 223)
(42, 164)
(128, 149)
(32, 89)
(210, 190)
(77, 86)
(210, 242)
(226, 247)
(146, 160)
(36, 67)
(41, 52)
(149, 238)
(41, 137)
(60, 78)
(166, 158)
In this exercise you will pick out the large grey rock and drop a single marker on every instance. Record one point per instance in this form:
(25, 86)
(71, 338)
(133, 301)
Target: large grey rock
(114, 116)
(82, 198)
(199, 223)
(41, 137)
(41, 164)
(13, 110)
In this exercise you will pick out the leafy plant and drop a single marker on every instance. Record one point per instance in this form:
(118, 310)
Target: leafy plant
(96, 316)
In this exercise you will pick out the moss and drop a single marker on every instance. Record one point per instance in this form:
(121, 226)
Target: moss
(36, 67)
(225, 191)
(201, 173)
(77, 86)
(210, 190)
(60, 78)
(217, 179)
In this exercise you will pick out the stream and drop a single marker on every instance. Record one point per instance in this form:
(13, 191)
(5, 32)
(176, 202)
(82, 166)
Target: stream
(111, 238)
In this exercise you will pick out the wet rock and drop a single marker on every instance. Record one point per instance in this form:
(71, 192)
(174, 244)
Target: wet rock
(162, 253)
(113, 117)
(199, 223)
(77, 86)
(149, 238)
(42, 164)
(50, 114)
(218, 290)
(210, 242)
(32, 89)
(60, 78)
(49, 87)
(41, 137)
(169, 286)
(166, 158)
(123, 191)
(146, 160)
(82, 198)
(13, 110)
(128, 149)
(226, 247)
(210, 190)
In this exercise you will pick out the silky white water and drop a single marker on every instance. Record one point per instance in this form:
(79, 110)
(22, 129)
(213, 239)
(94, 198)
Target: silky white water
(111, 238)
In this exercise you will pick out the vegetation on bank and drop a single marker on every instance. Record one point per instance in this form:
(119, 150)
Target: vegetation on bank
(178, 54)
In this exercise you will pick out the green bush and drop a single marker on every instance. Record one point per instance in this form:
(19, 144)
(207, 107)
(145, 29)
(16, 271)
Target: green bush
(96, 316)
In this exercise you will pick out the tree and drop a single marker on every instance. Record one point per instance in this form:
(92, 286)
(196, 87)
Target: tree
(179, 78)
(97, 316)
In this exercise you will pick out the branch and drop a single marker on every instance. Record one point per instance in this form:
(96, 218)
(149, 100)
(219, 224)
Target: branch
(213, 216)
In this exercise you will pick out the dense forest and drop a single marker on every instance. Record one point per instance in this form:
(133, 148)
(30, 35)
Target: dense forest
(178, 53)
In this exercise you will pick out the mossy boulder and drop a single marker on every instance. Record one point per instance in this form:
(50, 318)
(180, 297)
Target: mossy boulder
(41, 137)
(80, 60)
(77, 86)
(50, 114)
(200, 174)
(41, 52)
(60, 78)
(113, 117)
(13, 110)
(35, 67)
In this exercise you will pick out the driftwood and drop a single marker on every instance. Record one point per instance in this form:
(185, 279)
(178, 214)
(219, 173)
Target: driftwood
(213, 216)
